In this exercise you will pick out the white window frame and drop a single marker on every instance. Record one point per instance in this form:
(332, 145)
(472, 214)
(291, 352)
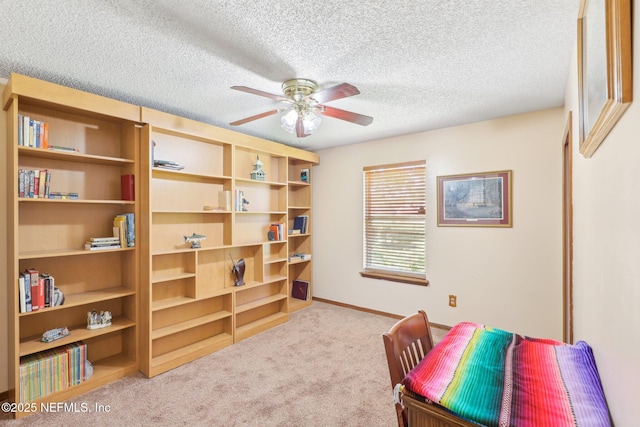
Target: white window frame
(395, 194)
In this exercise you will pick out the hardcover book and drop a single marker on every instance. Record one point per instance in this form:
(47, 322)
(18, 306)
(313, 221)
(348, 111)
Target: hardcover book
(300, 289)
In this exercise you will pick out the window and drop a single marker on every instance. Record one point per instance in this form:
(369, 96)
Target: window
(394, 222)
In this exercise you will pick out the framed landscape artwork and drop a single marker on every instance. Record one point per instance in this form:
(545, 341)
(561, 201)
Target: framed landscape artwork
(475, 200)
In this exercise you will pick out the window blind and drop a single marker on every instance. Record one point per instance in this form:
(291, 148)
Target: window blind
(394, 219)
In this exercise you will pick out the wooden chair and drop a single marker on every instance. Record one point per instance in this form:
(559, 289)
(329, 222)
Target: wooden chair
(406, 344)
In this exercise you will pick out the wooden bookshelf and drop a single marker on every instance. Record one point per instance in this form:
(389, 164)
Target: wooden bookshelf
(178, 278)
(49, 234)
(171, 303)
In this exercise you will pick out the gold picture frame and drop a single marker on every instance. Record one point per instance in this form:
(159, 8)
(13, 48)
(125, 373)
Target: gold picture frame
(605, 74)
(475, 200)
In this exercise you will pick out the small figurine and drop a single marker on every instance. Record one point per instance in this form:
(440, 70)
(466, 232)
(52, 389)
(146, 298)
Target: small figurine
(97, 320)
(194, 239)
(55, 334)
(238, 271)
(258, 173)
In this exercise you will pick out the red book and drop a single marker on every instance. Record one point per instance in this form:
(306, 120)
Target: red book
(40, 295)
(35, 280)
(127, 187)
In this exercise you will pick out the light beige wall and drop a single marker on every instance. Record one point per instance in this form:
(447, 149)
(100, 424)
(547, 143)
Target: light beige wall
(509, 278)
(606, 206)
(4, 357)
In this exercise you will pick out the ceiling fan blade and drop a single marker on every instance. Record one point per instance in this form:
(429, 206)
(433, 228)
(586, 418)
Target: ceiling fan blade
(335, 92)
(261, 93)
(337, 113)
(257, 116)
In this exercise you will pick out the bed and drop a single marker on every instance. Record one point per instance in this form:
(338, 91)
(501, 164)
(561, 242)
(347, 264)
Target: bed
(479, 375)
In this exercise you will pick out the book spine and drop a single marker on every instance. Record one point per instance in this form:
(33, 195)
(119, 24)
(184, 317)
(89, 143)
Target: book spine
(127, 187)
(47, 184)
(20, 129)
(21, 292)
(25, 131)
(130, 229)
(34, 276)
(32, 140)
(41, 288)
(42, 182)
(45, 137)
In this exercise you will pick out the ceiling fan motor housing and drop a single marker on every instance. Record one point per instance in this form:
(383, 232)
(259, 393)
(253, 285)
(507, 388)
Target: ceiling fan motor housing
(296, 89)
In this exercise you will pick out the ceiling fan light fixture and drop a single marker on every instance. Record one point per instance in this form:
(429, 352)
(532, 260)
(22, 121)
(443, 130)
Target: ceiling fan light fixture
(310, 121)
(288, 121)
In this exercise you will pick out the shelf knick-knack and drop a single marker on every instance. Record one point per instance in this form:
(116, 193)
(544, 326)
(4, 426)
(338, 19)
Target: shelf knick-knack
(258, 173)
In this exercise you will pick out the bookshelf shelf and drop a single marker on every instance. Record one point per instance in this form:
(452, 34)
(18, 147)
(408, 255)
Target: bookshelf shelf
(33, 345)
(249, 329)
(182, 174)
(243, 181)
(77, 201)
(181, 355)
(84, 298)
(68, 252)
(171, 277)
(189, 324)
(259, 303)
(171, 302)
(299, 261)
(73, 157)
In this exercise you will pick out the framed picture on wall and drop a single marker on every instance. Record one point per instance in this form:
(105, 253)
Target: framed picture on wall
(475, 199)
(605, 75)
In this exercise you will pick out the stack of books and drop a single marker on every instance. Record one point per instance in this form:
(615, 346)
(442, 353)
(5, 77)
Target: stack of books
(99, 243)
(167, 164)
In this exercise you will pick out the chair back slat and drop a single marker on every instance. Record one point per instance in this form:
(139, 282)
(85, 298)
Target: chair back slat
(406, 344)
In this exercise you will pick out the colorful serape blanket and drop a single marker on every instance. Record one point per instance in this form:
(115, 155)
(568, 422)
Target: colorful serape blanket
(497, 378)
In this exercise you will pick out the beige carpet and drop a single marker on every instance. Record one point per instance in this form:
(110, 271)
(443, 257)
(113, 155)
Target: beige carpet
(325, 367)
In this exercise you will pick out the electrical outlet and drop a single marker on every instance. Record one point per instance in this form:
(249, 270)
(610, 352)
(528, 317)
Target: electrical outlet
(452, 301)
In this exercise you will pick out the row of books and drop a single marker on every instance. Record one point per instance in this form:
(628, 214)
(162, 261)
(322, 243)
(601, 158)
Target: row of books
(51, 371)
(239, 201)
(37, 291)
(277, 231)
(124, 235)
(34, 183)
(301, 224)
(32, 133)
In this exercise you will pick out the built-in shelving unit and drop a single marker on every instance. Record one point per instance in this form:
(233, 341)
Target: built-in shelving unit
(299, 204)
(48, 235)
(193, 303)
(171, 301)
(188, 309)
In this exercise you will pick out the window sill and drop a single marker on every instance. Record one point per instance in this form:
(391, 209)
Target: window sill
(395, 278)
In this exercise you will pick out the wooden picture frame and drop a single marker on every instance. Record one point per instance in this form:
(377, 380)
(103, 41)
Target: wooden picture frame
(605, 74)
(475, 199)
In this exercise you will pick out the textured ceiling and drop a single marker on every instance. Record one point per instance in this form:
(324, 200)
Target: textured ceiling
(419, 65)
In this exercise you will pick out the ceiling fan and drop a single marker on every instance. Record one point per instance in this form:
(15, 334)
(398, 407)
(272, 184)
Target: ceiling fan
(305, 104)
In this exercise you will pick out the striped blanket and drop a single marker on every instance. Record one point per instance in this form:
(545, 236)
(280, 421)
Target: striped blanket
(497, 378)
